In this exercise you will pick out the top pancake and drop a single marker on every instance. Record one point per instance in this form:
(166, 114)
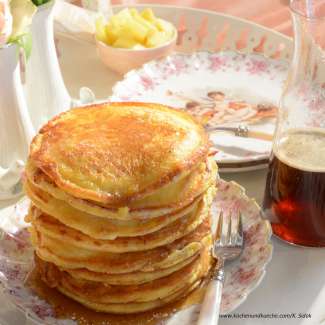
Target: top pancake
(117, 152)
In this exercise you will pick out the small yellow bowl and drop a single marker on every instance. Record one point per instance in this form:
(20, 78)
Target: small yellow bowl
(123, 60)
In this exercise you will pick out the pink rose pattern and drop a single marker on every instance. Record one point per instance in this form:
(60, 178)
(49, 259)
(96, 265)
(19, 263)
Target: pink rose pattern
(257, 66)
(241, 278)
(182, 64)
(217, 62)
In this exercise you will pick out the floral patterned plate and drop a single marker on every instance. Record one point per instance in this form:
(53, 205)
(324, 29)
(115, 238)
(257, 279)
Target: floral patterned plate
(224, 89)
(242, 276)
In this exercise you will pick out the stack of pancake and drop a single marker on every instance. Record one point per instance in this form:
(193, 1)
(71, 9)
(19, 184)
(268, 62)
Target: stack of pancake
(120, 199)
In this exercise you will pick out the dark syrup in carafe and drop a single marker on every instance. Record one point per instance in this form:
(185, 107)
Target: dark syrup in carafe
(294, 198)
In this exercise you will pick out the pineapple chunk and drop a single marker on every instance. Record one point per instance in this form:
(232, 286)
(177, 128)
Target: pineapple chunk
(112, 33)
(122, 17)
(100, 29)
(148, 14)
(164, 26)
(137, 30)
(126, 43)
(143, 21)
(133, 12)
(130, 29)
(156, 39)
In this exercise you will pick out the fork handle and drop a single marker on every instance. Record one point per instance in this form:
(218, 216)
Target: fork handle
(259, 135)
(210, 308)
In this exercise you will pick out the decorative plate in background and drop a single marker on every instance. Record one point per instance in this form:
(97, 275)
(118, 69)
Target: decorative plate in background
(242, 276)
(224, 89)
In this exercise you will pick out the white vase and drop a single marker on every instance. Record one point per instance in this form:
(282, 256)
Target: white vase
(45, 90)
(16, 130)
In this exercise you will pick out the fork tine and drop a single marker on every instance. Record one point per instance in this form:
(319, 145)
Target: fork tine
(219, 227)
(228, 240)
(234, 229)
(224, 232)
(240, 229)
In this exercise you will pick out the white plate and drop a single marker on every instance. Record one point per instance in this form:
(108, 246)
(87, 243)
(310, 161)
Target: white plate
(242, 276)
(221, 89)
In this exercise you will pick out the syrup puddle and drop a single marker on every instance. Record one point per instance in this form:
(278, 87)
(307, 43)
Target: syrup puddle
(66, 308)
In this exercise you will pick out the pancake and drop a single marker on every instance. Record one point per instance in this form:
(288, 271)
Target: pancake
(128, 278)
(181, 192)
(170, 198)
(117, 152)
(129, 308)
(56, 252)
(50, 227)
(132, 298)
(153, 290)
(98, 227)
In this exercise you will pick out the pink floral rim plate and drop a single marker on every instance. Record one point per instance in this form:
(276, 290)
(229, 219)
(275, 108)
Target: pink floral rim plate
(242, 276)
(224, 89)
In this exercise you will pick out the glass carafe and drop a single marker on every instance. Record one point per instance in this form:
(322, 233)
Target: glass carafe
(294, 198)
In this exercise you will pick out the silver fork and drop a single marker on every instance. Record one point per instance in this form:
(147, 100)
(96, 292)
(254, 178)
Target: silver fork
(228, 245)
